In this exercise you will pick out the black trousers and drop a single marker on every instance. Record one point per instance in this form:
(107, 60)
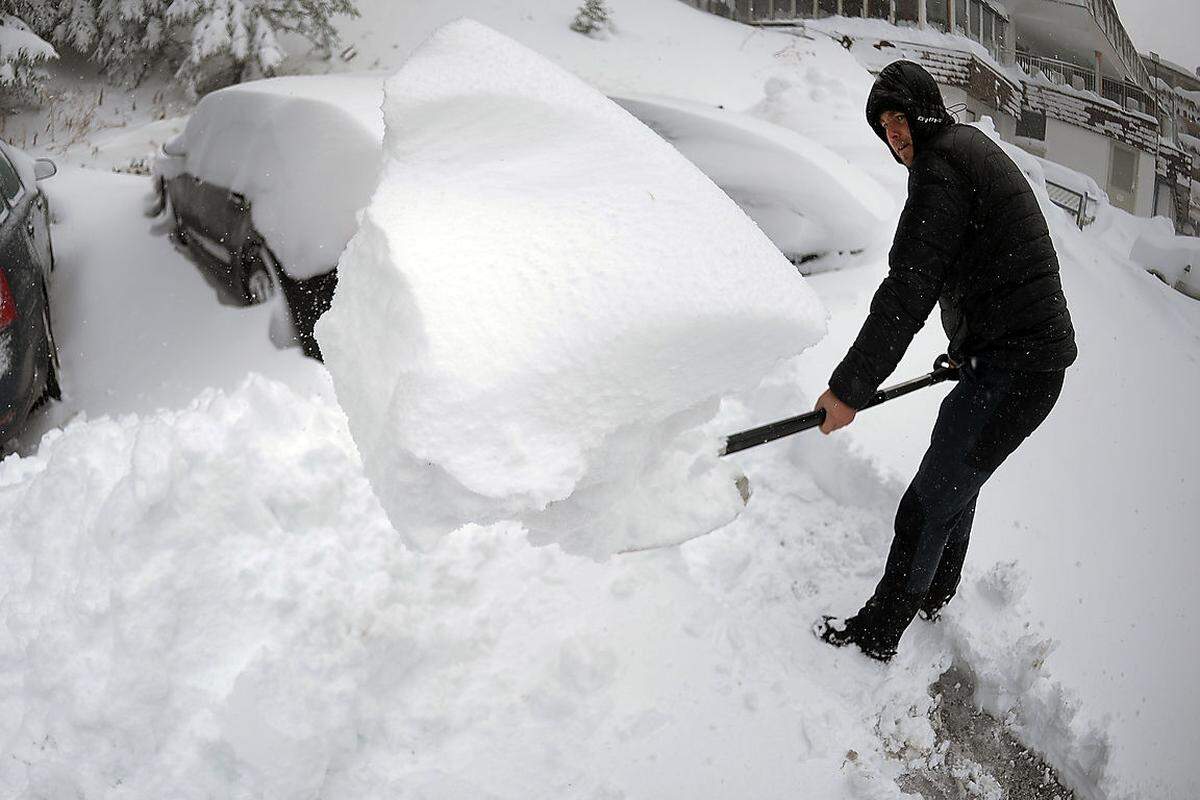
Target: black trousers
(981, 422)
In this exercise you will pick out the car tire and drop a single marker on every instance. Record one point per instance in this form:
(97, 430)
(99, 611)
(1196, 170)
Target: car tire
(52, 389)
(180, 230)
(258, 283)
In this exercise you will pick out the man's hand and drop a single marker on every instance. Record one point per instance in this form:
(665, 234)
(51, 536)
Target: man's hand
(837, 413)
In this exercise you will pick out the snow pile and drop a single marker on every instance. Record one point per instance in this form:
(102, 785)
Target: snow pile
(306, 152)
(807, 199)
(542, 304)
(1175, 259)
(185, 596)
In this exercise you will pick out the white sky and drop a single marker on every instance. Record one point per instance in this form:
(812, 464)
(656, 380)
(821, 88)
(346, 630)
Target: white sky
(1170, 28)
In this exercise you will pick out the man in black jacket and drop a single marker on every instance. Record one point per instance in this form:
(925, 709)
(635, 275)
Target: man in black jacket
(973, 239)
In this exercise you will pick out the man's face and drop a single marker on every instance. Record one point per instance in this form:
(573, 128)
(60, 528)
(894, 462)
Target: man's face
(899, 137)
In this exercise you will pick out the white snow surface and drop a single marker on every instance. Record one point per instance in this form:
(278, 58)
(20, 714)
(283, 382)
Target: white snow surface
(305, 151)
(207, 600)
(542, 304)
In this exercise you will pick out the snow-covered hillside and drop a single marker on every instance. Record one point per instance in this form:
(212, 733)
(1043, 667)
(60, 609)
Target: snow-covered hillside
(203, 595)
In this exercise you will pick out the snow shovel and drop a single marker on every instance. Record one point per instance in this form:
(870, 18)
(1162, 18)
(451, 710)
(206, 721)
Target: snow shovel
(943, 369)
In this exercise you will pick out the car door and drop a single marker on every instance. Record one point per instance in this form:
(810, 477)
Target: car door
(33, 210)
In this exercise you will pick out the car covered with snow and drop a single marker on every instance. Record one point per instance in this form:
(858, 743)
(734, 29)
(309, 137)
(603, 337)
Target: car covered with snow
(28, 356)
(265, 181)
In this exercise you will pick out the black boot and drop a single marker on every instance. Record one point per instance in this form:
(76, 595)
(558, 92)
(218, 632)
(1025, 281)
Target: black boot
(876, 628)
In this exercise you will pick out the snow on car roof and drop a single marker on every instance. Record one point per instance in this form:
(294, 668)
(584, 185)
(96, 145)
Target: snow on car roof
(806, 198)
(304, 151)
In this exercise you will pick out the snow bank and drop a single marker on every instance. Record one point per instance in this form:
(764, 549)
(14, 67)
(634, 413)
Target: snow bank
(807, 199)
(543, 302)
(306, 151)
(1175, 259)
(181, 612)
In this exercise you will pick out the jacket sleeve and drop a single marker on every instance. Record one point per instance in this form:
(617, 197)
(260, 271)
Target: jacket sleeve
(928, 241)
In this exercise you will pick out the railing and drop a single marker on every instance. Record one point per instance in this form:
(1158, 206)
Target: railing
(1128, 96)
(1081, 206)
(1058, 72)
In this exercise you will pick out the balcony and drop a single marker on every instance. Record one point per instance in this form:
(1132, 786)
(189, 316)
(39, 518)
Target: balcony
(1129, 96)
(1081, 31)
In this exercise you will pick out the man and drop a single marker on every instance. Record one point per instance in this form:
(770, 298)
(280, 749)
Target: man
(972, 238)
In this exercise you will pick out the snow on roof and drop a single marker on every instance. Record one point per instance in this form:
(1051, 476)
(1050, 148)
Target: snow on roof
(543, 302)
(305, 151)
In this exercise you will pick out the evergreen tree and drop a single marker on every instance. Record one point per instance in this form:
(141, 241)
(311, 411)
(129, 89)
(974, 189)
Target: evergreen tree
(216, 42)
(592, 18)
(22, 54)
(242, 36)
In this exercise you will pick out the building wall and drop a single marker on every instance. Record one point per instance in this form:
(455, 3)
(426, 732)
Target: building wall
(1006, 124)
(1091, 154)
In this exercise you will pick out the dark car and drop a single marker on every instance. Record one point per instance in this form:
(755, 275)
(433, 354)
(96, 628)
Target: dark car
(264, 183)
(28, 356)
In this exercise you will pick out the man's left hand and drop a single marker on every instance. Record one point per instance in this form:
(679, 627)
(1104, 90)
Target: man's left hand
(837, 413)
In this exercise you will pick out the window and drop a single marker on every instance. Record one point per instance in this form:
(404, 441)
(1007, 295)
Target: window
(907, 11)
(852, 8)
(989, 28)
(1122, 178)
(976, 22)
(10, 184)
(879, 9)
(960, 15)
(1032, 124)
(827, 8)
(937, 12)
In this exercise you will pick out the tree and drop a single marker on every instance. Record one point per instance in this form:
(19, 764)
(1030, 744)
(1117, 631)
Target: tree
(236, 39)
(592, 18)
(215, 42)
(22, 54)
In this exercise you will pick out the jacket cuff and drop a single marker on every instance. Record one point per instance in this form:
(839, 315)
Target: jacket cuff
(850, 387)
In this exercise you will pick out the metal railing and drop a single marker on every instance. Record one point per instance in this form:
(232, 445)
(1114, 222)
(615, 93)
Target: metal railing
(1080, 206)
(1128, 96)
(1062, 73)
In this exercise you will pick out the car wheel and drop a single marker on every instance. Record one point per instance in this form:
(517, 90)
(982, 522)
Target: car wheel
(52, 390)
(180, 231)
(258, 284)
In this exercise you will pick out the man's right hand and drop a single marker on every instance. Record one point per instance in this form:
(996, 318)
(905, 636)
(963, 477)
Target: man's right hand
(837, 413)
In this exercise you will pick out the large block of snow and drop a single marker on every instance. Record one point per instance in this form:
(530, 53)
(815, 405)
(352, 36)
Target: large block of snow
(543, 302)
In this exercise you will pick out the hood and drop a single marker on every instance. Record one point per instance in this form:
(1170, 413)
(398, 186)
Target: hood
(907, 87)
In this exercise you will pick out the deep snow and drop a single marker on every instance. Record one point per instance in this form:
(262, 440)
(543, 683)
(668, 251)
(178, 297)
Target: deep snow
(215, 589)
(542, 304)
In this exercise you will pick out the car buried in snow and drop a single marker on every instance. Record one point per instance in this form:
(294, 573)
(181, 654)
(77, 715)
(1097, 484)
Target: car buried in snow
(265, 182)
(28, 356)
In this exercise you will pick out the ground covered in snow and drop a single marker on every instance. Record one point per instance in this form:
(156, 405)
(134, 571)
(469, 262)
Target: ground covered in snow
(204, 595)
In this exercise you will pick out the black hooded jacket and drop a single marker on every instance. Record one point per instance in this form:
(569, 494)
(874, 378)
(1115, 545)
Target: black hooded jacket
(972, 238)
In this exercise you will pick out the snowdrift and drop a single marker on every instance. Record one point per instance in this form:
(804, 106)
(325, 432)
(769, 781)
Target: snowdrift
(543, 303)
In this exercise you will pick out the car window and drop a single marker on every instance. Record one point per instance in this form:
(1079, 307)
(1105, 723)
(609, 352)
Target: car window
(10, 183)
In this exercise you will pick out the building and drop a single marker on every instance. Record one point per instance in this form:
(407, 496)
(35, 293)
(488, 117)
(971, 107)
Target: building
(1061, 78)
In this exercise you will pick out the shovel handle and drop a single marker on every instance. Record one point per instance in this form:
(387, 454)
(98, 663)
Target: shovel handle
(943, 369)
